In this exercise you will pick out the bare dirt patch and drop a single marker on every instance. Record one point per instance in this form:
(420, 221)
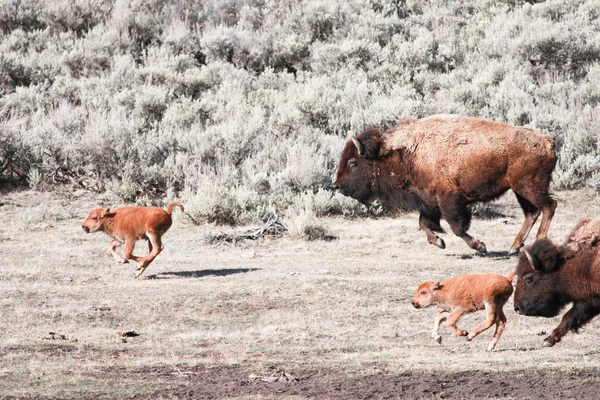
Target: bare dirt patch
(201, 382)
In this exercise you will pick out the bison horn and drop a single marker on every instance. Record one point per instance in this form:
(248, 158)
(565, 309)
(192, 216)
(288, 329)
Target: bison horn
(359, 146)
(533, 260)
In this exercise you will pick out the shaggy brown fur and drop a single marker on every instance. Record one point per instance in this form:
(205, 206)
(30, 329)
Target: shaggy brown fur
(442, 164)
(550, 277)
(586, 232)
(130, 224)
(465, 294)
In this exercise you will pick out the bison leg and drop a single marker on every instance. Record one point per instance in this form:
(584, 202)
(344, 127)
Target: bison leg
(429, 224)
(111, 250)
(489, 321)
(435, 332)
(531, 215)
(128, 251)
(500, 325)
(547, 215)
(456, 212)
(155, 245)
(453, 319)
(577, 316)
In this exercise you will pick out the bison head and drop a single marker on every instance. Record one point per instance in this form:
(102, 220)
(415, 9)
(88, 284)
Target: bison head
(424, 296)
(95, 219)
(356, 174)
(536, 293)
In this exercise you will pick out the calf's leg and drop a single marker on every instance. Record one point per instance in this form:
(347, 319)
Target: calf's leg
(500, 325)
(489, 321)
(435, 332)
(111, 250)
(128, 251)
(453, 319)
(156, 246)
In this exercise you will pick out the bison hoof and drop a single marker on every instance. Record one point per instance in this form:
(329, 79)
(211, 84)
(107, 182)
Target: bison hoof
(438, 339)
(480, 248)
(124, 261)
(548, 343)
(512, 252)
(440, 243)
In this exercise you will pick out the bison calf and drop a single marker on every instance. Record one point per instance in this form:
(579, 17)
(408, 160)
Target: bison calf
(549, 277)
(130, 224)
(465, 294)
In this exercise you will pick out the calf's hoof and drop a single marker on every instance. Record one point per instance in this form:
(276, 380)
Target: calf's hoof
(438, 339)
(124, 261)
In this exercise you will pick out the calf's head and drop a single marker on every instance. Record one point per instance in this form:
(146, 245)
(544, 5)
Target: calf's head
(95, 219)
(537, 291)
(356, 171)
(424, 296)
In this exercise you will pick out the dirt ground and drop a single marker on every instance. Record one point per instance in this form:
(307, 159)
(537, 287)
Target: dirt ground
(268, 319)
(234, 382)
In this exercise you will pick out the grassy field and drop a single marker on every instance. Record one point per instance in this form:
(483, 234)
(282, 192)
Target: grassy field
(264, 306)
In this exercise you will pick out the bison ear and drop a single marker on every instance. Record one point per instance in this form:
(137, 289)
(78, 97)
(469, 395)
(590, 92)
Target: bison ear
(359, 146)
(436, 286)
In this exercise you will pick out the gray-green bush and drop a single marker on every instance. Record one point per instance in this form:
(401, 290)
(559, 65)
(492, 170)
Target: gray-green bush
(236, 106)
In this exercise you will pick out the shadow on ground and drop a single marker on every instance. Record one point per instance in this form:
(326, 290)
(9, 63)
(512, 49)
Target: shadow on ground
(498, 255)
(201, 273)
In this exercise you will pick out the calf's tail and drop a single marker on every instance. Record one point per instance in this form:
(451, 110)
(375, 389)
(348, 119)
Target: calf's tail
(511, 275)
(174, 204)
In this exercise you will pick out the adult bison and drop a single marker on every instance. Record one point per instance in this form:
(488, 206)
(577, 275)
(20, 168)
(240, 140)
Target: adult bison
(443, 163)
(549, 277)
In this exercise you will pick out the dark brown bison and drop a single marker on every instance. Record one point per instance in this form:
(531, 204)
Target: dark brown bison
(549, 277)
(441, 164)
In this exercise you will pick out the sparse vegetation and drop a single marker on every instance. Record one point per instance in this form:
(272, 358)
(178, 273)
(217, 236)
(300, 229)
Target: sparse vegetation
(246, 103)
(218, 317)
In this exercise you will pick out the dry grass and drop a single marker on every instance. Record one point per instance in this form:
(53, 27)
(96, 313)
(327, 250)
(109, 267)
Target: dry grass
(342, 305)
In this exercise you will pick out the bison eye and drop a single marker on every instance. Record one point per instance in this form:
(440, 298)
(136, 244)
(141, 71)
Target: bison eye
(352, 162)
(528, 279)
(423, 292)
(94, 218)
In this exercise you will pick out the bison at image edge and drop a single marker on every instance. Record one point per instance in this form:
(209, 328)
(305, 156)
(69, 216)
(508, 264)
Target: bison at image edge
(549, 277)
(441, 164)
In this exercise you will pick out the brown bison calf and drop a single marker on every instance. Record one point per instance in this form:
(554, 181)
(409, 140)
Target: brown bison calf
(465, 294)
(130, 224)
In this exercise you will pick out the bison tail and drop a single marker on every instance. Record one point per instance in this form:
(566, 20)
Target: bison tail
(174, 204)
(511, 275)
